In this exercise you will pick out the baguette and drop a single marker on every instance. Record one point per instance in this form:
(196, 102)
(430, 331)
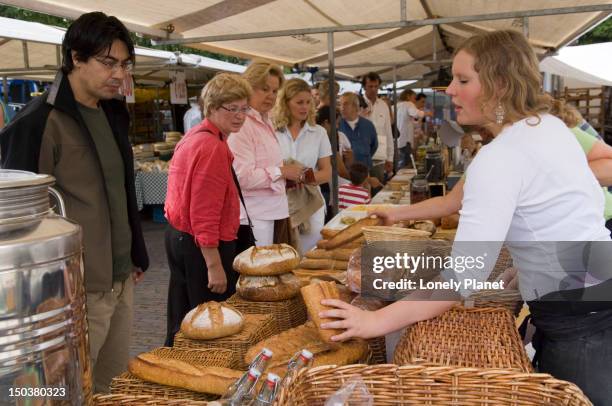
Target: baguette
(322, 244)
(319, 253)
(328, 233)
(180, 374)
(342, 254)
(286, 344)
(268, 260)
(306, 275)
(352, 232)
(309, 263)
(313, 294)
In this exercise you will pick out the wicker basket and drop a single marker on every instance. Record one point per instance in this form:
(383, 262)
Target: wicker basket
(422, 385)
(481, 338)
(287, 313)
(257, 327)
(128, 384)
(378, 349)
(142, 400)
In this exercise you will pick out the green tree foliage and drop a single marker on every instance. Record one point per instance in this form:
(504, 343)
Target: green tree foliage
(601, 33)
(27, 15)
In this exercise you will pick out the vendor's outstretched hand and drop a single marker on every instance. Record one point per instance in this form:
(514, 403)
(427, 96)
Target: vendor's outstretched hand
(356, 322)
(386, 215)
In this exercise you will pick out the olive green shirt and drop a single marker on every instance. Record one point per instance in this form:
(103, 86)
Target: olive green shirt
(114, 179)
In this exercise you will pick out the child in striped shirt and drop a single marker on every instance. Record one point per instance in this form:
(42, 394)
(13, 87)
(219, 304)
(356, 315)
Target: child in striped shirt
(355, 192)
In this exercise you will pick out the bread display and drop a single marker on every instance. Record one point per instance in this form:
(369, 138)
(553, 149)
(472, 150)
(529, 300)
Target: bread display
(180, 374)
(286, 344)
(450, 222)
(328, 233)
(268, 260)
(309, 263)
(352, 232)
(212, 320)
(424, 225)
(307, 275)
(342, 254)
(356, 243)
(313, 294)
(268, 288)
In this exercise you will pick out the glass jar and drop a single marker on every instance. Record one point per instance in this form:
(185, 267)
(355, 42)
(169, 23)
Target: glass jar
(419, 189)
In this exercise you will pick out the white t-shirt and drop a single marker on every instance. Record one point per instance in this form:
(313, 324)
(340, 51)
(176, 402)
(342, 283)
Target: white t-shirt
(381, 118)
(311, 144)
(407, 112)
(531, 184)
(192, 117)
(344, 143)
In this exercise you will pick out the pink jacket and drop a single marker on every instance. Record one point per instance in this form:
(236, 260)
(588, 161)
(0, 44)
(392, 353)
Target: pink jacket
(257, 162)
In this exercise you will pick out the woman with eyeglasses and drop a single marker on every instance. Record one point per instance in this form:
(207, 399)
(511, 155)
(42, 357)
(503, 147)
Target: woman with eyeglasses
(202, 203)
(258, 162)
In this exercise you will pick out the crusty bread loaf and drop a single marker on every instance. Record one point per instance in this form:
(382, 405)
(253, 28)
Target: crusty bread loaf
(313, 294)
(180, 374)
(319, 253)
(268, 288)
(309, 263)
(352, 232)
(286, 344)
(306, 275)
(212, 320)
(268, 260)
(449, 222)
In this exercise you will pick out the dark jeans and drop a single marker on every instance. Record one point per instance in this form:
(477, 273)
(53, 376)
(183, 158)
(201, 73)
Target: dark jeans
(189, 277)
(585, 361)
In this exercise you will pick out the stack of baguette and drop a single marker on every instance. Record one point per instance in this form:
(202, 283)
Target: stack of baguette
(265, 273)
(331, 256)
(180, 374)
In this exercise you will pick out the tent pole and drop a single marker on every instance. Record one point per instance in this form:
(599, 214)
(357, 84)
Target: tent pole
(332, 118)
(526, 26)
(396, 135)
(26, 55)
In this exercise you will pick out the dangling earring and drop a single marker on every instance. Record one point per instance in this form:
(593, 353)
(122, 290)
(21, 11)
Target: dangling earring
(499, 113)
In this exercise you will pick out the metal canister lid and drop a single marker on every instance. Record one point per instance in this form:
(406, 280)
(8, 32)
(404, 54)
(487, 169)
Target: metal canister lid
(10, 179)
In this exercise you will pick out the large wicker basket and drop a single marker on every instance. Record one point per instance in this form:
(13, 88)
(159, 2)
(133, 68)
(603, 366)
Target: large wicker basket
(128, 384)
(142, 400)
(378, 349)
(257, 327)
(422, 385)
(286, 313)
(481, 338)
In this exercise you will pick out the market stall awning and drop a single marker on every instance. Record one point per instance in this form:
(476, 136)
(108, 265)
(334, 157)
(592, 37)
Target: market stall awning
(582, 66)
(33, 50)
(403, 36)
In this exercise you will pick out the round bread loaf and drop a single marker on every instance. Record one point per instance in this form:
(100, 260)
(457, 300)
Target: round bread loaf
(268, 260)
(212, 320)
(268, 288)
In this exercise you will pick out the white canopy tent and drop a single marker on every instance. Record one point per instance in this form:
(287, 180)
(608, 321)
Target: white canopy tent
(33, 50)
(582, 66)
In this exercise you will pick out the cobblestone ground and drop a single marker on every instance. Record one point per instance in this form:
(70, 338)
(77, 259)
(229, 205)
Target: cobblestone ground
(149, 328)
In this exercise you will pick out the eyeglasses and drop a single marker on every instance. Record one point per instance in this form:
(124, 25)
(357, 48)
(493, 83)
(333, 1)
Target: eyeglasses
(236, 110)
(115, 65)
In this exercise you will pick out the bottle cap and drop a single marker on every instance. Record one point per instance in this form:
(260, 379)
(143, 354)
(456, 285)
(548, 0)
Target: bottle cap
(254, 372)
(307, 354)
(267, 353)
(273, 377)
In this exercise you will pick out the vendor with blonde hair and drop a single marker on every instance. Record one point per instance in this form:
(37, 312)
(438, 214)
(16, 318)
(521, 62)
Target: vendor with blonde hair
(304, 143)
(530, 187)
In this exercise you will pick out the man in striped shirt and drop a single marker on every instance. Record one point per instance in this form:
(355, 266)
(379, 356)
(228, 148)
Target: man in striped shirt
(355, 192)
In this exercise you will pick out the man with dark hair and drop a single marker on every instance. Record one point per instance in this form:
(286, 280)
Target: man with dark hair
(77, 131)
(379, 114)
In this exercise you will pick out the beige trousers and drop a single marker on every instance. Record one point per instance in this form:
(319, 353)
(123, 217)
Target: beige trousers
(109, 316)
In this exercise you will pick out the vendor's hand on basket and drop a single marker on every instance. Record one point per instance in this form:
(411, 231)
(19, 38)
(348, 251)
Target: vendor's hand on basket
(356, 322)
(217, 281)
